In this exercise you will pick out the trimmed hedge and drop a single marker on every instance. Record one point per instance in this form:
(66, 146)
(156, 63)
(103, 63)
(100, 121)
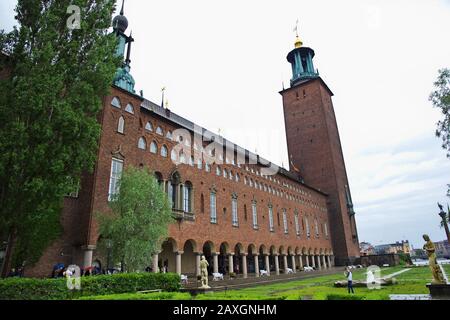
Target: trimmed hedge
(56, 289)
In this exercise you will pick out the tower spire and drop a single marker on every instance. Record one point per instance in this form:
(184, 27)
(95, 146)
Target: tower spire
(123, 5)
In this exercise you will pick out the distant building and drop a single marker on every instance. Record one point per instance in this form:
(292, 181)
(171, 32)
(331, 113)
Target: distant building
(366, 249)
(398, 247)
(442, 249)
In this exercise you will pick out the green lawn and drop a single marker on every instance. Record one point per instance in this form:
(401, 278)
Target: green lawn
(320, 288)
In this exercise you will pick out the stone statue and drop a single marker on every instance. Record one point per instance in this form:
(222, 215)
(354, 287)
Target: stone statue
(204, 273)
(430, 249)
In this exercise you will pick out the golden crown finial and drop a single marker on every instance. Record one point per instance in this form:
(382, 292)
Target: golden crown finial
(298, 42)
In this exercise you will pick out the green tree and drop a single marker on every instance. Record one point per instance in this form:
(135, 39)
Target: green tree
(441, 100)
(138, 221)
(48, 114)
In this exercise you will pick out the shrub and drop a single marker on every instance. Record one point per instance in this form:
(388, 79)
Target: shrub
(56, 289)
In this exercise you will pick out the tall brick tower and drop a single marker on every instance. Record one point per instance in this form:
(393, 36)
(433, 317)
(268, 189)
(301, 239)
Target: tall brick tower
(315, 148)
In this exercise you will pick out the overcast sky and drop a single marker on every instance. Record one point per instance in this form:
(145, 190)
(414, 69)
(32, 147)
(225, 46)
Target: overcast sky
(224, 62)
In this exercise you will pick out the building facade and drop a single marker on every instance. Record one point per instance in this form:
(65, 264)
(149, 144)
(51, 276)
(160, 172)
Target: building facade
(239, 210)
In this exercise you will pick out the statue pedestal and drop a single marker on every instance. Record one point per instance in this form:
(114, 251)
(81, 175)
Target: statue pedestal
(439, 291)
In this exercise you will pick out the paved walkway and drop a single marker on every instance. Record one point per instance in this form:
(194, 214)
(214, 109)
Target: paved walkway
(253, 281)
(396, 273)
(410, 297)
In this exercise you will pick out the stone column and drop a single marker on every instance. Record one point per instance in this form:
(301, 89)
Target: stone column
(155, 263)
(178, 262)
(318, 262)
(244, 265)
(300, 260)
(285, 262)
(266, 259)
(256, 265)
(307, 260)
(294, 267)
(277, 265)
(313, 261)
(230, 263)
(329, 261)
(198, 257)
(324, 262)
(216, 262)
(87, 257)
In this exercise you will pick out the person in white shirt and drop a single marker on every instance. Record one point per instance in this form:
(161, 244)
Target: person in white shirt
(349, 275)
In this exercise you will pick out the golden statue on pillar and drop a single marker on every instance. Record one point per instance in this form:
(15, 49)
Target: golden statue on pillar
(430, 249)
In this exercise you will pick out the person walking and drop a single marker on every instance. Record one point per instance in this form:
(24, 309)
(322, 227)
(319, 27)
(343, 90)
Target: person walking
(349, 275)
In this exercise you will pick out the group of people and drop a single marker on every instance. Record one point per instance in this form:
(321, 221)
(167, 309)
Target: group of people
(59, 271)
(16, 273)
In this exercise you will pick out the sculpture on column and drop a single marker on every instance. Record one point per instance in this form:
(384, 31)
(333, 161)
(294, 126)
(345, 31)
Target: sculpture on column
(204, 273)
(430, 249)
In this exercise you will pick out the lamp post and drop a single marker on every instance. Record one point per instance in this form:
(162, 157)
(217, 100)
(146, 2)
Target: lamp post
(444, 218)
(108, 261)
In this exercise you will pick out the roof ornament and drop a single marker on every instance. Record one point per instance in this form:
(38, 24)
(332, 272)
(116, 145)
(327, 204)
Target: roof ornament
(298, 42)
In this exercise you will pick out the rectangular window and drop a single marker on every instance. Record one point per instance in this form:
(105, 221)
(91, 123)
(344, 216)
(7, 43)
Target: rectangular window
(234, 212)
(187, 200)
(326, 229)
(297, 225)
(308, 233)
(285, 222)
(316, 227)
(271, 228)
(213, 213)
(255, 216)
(116, 174)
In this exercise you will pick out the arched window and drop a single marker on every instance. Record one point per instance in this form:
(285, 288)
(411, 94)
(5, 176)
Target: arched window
(149, 126)
(142, 144)
(237, 177)
(116, 103)
(164, 151)
(121, 125)
(129, 108)
(191, 161)
(199, 164)
(251, 182)
(231, 176)
(207, 167)
(160, 131)
(159, 178)
(225, 173)
(173, 190)
(169, 135)
(188, 197)
(154, 147)
(218, 171)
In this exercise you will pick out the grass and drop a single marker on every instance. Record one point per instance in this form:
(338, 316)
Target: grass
(320, 288)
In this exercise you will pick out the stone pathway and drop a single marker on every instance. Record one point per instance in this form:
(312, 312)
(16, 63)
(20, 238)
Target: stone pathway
(396, 273)
(410, 297)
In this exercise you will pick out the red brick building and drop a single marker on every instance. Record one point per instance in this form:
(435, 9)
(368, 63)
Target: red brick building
(239, 210)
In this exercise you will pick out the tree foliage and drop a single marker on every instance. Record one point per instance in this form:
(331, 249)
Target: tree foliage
(48, 113)
(138, 221)
(441, 100)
